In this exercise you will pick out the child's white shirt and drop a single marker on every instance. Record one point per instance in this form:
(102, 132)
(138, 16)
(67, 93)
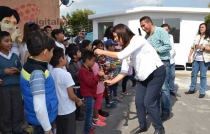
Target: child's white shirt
(63, 80)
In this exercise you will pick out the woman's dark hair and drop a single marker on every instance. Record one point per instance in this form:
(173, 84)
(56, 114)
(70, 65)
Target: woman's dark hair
(207, 32)
(57, 54)
(38, 41)
(108, 33)
(8, 12)
(124, 33)
(29, 27)
(97, 42)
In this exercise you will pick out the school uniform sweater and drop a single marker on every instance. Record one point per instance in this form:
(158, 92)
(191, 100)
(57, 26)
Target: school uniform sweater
(9, 61)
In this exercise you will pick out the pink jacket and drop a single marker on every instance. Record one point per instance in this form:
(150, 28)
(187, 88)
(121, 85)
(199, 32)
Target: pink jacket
(100, 86)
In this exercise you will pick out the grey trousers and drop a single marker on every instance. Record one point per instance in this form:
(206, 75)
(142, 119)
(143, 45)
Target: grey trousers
(66, 124)
(11, 110)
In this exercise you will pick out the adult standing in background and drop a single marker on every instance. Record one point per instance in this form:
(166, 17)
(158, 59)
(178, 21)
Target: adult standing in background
(150, 75)
(172, 62)
(159, 39)
(201, 59)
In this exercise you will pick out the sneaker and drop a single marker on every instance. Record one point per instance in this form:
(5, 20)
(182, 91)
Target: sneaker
(126, 93)
(101, 118)
(117, 99)
(111, 105)
(98, 123)
(80, 119)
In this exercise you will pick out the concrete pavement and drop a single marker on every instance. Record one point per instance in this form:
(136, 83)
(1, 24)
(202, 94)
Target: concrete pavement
(190, 115)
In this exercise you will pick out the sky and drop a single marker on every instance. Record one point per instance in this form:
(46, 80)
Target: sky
(105, 6)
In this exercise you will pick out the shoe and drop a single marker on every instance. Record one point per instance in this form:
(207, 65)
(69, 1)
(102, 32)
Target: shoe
(201, 95)
(101, 118)
(80, 118)
(160, 131)
(117, 99)
(164, 116)
(98, 123)
(126, 93)
(175, 93)
(111, 105)
(103, 113)
(134, 84)
(190, 92)
(139, 130)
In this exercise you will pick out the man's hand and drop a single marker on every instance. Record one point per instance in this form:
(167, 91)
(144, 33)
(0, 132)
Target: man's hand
(1, 81)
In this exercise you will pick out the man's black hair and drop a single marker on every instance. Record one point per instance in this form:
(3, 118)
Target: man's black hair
(46, 27)
(57, 54)
(56, 32)
(8, 12)
(146, 19)
(87, 55)
(3, 34)
(72, 50)
(38, 41)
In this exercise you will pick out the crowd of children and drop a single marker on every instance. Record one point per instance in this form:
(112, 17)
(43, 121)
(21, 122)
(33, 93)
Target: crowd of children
(52, 81)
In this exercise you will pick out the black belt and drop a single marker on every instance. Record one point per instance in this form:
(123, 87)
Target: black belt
(165, 60)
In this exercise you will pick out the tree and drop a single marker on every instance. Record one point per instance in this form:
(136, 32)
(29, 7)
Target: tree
(207, 17)
(77, 21)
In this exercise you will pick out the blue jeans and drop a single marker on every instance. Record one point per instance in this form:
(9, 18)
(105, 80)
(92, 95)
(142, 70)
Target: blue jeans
(171, 77)
(164, 99)
(89, 103)
(113, 88)
(196, 67)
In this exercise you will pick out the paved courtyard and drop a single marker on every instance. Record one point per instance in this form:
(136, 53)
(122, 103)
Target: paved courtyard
(190, 115)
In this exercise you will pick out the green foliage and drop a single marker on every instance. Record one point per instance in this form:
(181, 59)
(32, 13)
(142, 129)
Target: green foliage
(77, 21)
(207, 17)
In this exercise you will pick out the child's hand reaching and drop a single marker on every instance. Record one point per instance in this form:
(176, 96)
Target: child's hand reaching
(1, 81)
(101, 73)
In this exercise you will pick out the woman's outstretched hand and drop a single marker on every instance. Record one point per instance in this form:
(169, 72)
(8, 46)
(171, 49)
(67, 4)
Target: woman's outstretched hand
(98, 52)
(109, 82)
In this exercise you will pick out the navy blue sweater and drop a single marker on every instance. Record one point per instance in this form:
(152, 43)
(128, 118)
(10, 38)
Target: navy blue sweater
(8, 80)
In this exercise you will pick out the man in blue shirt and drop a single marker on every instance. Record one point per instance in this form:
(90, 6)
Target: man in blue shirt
(159, 39)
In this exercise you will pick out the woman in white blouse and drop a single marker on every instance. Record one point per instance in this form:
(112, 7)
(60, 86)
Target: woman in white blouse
(150, 73)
